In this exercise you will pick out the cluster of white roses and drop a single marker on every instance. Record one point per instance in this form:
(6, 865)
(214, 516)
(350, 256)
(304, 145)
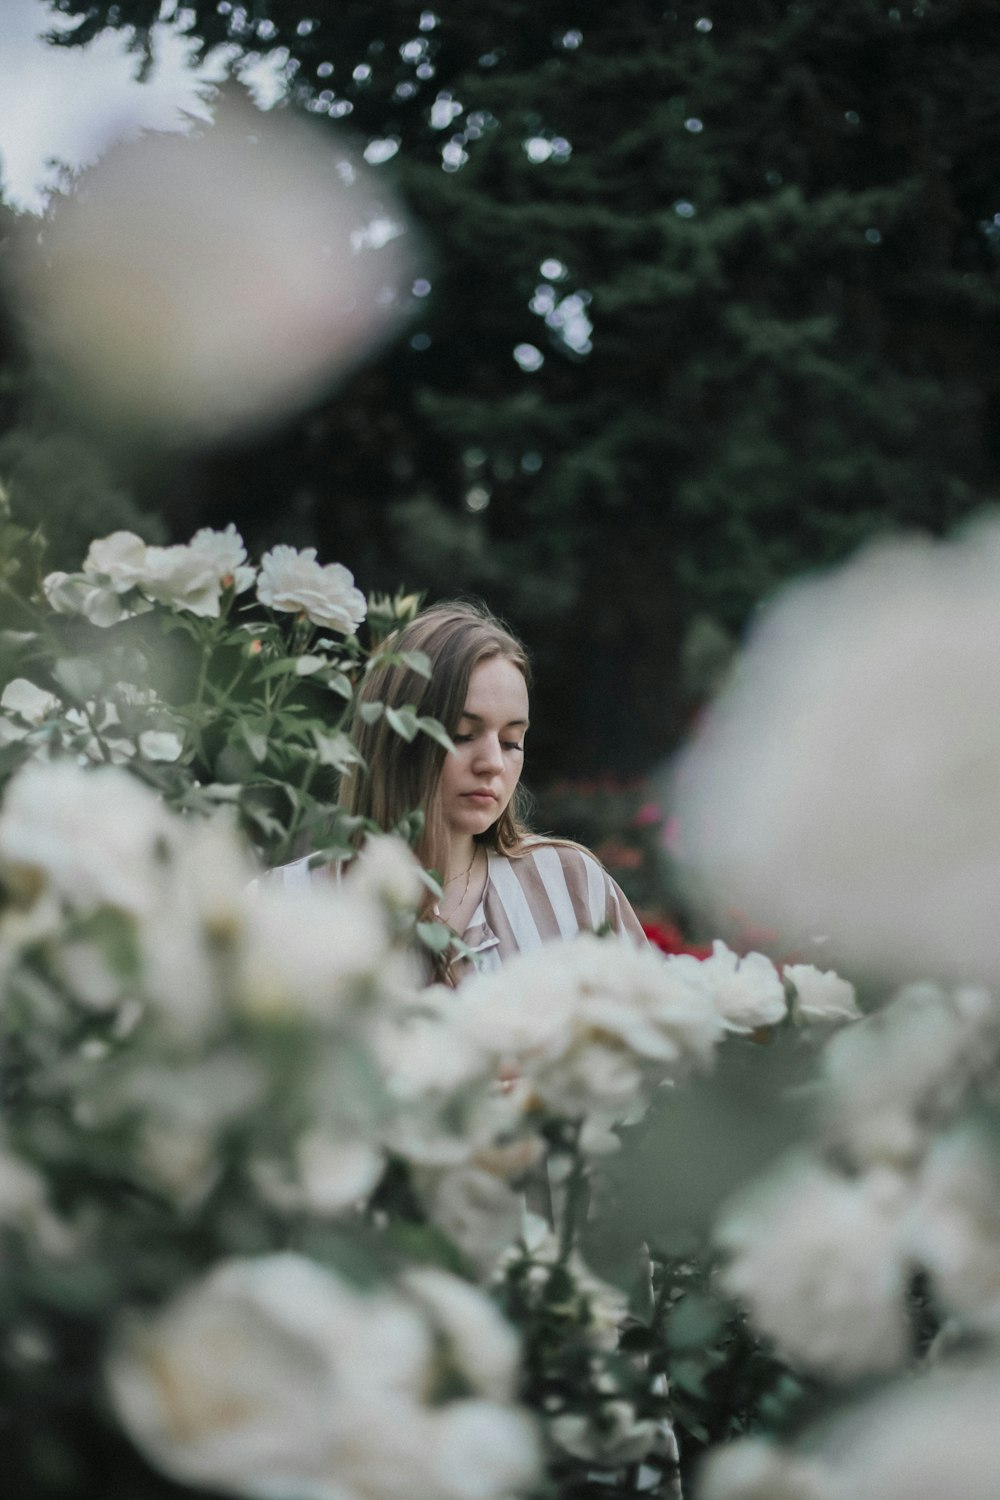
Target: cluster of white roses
(273, 1376)
(124, 576)
(823, 1250)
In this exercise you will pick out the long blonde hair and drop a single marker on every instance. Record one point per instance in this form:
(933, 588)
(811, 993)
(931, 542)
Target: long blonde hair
(402, 776)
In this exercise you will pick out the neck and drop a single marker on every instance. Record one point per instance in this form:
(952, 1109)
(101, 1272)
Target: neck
(461, 853)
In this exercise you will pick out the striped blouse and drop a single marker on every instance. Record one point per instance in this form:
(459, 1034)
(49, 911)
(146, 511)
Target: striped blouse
(551, 891)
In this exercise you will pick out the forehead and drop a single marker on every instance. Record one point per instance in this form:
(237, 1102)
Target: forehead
(497, 690)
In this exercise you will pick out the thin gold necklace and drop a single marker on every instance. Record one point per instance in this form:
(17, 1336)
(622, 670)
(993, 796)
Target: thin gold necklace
(458, 904)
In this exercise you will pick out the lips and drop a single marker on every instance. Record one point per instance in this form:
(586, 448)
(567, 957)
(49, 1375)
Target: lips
(480, 796)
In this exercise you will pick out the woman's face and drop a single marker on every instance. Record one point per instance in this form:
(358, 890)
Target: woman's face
(478, 782)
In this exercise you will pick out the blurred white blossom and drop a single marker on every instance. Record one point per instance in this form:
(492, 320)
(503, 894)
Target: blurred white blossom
(821, 997)
(94, 836)
(954, 1225)
(197, 284)
(274, 1376)
(592, 1024)
(890, 1080)
(819, 1260)
(29, 702)
(295, 582)
(848, 781)
(755, 1469)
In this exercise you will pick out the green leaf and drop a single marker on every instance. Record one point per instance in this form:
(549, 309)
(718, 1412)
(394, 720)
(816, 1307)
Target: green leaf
(437, 732)
(256, 740)
(335, 750)
(371, 712)
(403, 721)
(417, 661)
(434, 935)
(305, 666)
(339, 682)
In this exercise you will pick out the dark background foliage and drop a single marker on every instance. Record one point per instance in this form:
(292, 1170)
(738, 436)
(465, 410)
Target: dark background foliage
(781, 222)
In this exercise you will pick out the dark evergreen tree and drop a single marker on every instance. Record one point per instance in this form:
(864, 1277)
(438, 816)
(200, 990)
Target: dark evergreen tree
(715, 298)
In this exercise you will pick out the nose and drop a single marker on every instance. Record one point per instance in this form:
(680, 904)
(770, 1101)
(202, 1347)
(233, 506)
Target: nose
(489, 755)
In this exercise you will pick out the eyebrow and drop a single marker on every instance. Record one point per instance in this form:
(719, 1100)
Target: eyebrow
(478, 719)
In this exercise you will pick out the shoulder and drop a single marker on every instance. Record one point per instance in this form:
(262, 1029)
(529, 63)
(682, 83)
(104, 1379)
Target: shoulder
(567, 885)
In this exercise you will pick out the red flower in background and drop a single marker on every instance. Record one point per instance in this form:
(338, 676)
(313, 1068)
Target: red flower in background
(669, 939)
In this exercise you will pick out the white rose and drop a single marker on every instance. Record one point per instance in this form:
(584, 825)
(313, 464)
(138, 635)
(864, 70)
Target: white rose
(295, 582)
(888, 1080)
(848, 782)
(481, 1343)
(160, 744)
(821, 997)
(820, 1261)
(183, 578)
(72, 594)
(954, 1226)
(933, 1436)
(313, 950)
(477, 1211)
(335, 1173)
(619, 1438)
(755, 1469)
(120, 559)
(747, 991)
(94, 836)
(31, 703)
(226, 554)
(235, 1385)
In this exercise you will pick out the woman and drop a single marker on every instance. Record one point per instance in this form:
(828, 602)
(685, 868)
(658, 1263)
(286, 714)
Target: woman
(504, 890)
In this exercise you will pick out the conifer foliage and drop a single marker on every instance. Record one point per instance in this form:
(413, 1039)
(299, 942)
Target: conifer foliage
(714, 296)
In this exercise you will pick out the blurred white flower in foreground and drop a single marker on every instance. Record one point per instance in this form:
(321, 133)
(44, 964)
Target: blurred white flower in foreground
(936, 1438)
(755, 1469)
(274, 1376)
(295, 582)
(891, 1080)
(91, 836)
(197, 284)
(592, 1024)
(818, 1259)
(849, 780)
(821, 997)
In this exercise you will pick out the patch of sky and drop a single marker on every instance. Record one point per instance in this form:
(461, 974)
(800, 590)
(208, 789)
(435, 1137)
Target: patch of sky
(873, 237)
(420, 342)
(428, 20)
(694, 125)
(404, 91)
(444, 110)
(571, 40)
(454, 155)
(414, 50)
(421, 287)
(425, 70)
(361, 73)
(703, 24)
(540, 148)
(477, 497)
(529, 358)
(377, 151)
(531, 462)
(304, 27)
(324, 70)
(553, 270)
(684, 208)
